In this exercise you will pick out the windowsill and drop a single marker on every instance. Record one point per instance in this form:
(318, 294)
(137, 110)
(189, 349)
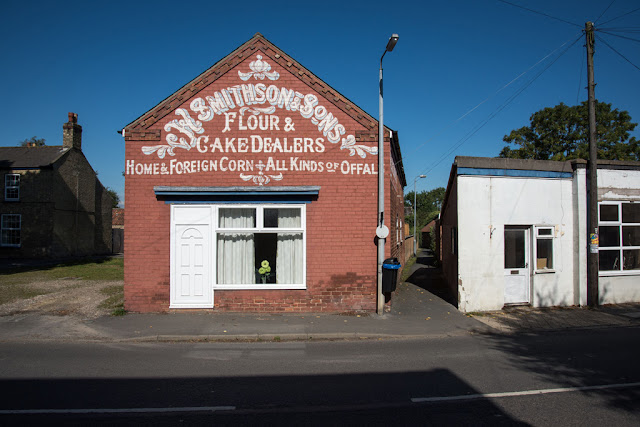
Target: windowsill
(259, 286)
(544, 271)
(619, 273)
(9, 246)
(190, 306)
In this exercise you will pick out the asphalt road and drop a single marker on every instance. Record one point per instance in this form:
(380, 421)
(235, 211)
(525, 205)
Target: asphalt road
(584, 377)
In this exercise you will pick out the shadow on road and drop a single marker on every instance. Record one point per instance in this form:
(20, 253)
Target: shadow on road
(355, 399)
(576, 360)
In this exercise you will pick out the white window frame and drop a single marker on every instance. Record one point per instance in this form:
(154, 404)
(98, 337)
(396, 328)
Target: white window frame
(620, 248)
(13, 186)
(3, 227)
(259, 229)
(552, 237)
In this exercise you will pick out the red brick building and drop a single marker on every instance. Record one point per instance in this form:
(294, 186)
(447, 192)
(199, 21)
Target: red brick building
(254, 188)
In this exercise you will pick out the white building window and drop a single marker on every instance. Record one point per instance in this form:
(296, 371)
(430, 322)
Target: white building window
(619, 230)
(10, 230)
(12, 187)
(544, 249)
(260, 245)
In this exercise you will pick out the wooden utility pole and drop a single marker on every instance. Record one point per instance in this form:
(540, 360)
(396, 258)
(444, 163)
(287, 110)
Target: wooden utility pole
(592, 179)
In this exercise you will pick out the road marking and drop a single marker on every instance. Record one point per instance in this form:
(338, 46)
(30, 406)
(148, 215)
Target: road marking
(115, 410)
(233, 408)
(521, 393)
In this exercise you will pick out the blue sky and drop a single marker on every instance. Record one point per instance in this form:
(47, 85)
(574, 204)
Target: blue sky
(112, 61)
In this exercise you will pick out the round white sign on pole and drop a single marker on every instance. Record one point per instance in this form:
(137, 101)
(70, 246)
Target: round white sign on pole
(382, 232)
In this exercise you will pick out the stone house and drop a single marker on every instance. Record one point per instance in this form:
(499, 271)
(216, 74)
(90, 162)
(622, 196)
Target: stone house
(52, 203)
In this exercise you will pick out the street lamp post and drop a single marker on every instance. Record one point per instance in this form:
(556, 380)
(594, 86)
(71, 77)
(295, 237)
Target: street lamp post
(415, 214)
(381, 230)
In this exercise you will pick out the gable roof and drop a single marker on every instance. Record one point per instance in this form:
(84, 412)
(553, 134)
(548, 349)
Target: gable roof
(30, 157)
(257, 43)
(429, 226)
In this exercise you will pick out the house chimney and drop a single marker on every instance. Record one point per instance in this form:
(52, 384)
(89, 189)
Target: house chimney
(72, 133)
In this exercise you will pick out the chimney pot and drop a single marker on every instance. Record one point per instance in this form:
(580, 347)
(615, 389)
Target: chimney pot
(72, 133)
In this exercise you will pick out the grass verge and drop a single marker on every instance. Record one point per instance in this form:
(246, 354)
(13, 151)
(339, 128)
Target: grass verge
(109, 269)
(407, 269)
(14, 292)
(114, 300)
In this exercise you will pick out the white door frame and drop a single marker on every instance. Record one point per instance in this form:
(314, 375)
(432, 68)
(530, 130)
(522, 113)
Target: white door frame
(199, 217)
(517, 276)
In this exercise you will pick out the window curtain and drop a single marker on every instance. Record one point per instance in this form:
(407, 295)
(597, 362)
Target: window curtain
(289, 248)
(236, 251)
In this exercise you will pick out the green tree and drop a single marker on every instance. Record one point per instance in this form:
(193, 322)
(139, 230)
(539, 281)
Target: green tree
(39, 142)
(114, 196)
(428, 205)
(562, 133)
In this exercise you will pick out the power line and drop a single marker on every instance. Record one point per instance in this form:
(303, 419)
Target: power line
(498, 110)
(620, 29)
(619, 36)
(584, 53)
(618, 17)
(605, 11)
(540, 13)
(613, 49)
(488, 98)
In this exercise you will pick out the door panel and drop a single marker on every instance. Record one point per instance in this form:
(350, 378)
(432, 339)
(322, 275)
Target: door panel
(516, 265)
(190, 271)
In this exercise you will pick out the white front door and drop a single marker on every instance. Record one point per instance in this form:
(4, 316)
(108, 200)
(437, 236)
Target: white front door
(190, 257)
(516, 265)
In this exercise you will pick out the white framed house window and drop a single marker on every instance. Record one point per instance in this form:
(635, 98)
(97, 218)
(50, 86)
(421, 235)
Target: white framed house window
(543, 249)
(619, 232)
(260, 247)
(10, 226)
(12, 187)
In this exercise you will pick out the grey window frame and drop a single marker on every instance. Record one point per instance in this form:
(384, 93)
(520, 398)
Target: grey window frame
(8, 187)
(3, 227)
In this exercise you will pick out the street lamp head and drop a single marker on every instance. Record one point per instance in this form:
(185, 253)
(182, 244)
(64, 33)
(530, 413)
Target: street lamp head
(418, 177)
(392, 42)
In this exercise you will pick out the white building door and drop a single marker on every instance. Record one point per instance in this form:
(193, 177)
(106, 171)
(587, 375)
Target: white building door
(516, 265)
(190, 257)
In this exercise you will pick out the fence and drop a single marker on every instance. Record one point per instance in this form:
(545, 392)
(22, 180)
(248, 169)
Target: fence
(408, 247)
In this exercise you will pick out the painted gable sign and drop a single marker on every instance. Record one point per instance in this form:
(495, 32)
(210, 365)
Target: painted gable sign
(260, 129)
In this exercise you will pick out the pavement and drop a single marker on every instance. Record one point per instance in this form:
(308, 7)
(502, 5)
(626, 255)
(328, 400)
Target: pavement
(421, 308)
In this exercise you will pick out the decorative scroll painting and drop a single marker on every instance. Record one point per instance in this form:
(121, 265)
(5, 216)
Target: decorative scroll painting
(255, 105)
